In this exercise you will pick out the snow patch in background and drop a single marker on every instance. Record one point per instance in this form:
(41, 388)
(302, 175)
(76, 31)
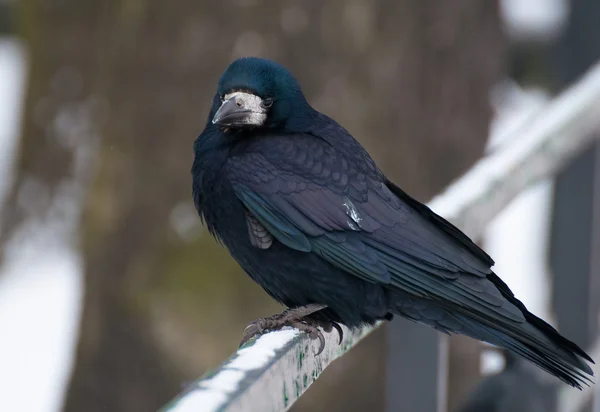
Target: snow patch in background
(40, 302)
(13, 71)
(41, 281)
(513, 107)
(518, 237)
(492, 361)
(534, 20)
(518, 240)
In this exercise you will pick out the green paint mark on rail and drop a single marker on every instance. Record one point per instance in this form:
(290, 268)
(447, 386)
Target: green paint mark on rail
(300, 359)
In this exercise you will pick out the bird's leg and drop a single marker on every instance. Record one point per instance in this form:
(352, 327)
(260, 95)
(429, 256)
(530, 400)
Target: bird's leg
(298, 318)
(286, 318)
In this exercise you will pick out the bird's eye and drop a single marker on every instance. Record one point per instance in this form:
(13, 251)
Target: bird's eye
(267, 102)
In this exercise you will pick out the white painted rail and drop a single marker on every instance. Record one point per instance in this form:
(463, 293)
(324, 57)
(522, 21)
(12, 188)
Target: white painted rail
(270, 373)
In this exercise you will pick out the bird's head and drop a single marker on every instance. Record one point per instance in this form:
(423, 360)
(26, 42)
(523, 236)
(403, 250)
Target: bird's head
(255, 92)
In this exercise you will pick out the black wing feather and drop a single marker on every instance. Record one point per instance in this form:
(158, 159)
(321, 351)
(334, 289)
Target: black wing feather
(442, 223)
(399, 247)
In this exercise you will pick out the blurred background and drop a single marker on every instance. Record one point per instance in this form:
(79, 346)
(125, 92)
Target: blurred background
(112, 294)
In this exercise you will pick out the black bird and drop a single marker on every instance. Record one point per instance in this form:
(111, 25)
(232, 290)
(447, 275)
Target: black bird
(306, 212)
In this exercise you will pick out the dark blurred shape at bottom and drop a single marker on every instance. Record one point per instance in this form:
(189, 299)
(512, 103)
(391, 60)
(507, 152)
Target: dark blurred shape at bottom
(518, 388)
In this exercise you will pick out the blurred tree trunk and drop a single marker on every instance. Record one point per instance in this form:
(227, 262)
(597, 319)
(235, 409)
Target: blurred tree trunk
(120, 363)
(80, 53)
(74, 47)
(45, 155)
(162, 302)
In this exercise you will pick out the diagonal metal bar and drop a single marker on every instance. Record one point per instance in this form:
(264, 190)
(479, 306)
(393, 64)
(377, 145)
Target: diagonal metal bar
(267, 374)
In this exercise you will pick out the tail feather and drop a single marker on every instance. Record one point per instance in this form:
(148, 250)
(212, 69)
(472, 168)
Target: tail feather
(538, 323)
(543, 346)
(532, 339)
(529, 337)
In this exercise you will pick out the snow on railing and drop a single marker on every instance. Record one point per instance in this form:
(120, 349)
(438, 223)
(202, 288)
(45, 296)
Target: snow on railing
(272, 371)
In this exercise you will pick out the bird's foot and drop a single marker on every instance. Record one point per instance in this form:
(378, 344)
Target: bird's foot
(290, 317)
(329, 326)
(298, 318)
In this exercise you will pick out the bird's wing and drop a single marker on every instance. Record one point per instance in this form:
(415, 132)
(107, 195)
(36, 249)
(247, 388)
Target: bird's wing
(314, 197)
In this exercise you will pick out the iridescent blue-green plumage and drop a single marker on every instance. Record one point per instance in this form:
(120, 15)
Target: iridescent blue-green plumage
(306, 212)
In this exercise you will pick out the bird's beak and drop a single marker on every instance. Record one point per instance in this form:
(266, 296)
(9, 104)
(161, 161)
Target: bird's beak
(230, 112)
(240, 109)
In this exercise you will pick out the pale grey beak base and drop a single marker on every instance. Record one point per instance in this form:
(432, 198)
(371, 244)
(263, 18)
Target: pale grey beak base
(240, 109)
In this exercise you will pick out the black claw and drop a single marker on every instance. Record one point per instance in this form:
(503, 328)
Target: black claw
(250, 331)
(321, 341)
(339, 330)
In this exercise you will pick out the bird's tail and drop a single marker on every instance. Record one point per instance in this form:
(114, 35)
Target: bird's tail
(532, 339)
(535, 341)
